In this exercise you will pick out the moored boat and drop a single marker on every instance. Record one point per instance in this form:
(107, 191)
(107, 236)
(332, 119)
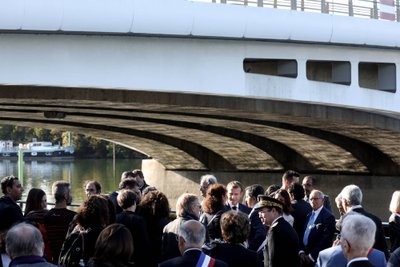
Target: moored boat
(36, 150)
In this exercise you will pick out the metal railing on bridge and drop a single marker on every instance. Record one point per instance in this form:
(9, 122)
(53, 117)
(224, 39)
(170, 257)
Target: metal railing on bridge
(372, 9)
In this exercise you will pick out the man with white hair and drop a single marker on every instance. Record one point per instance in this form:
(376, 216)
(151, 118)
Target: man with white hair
(334, 257)
(191, 238)
(357, 238)
(351, 197)
(205, 182)
(25, 246)
(187, 208)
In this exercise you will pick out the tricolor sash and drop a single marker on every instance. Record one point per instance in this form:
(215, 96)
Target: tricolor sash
(205, 261)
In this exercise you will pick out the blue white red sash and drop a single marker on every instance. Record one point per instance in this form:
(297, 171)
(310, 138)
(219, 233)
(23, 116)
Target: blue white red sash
(205, 261)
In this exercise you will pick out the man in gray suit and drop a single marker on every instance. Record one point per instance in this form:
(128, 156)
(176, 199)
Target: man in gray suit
(357, 239)
(334, 257)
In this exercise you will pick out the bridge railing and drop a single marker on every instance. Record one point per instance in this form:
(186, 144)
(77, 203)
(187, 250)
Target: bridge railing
(372, 9)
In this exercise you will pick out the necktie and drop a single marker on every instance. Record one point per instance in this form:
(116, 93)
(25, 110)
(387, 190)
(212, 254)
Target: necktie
(308, 229)
(234, 208)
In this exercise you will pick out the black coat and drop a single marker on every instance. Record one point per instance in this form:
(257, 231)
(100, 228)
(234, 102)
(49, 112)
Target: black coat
(141, 242)
(258, 232)
(361, 264)
(169, 246)
(282, 248)
(189, 259)
(235, 255)
(380, 242)
(300, 211)
(394, 233)
(10, 213)
(212, 224)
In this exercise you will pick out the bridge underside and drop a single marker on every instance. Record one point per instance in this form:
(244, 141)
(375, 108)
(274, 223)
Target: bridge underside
(216, 133)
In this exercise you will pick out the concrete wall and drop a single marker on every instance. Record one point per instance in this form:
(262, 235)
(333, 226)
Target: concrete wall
(377, 190)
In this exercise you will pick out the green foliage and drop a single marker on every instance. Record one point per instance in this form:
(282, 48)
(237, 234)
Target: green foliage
(84, 146)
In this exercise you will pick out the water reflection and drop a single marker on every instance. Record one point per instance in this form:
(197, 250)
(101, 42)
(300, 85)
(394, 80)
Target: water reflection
(41, 174)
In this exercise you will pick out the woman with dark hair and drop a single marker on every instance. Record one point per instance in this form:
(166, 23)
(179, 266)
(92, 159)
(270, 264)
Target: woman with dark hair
(283, 196)
(114, 247)
(35, 210)
(214, 207)
(92, 218)
(235, 228)
(36, 205)
(154, 208)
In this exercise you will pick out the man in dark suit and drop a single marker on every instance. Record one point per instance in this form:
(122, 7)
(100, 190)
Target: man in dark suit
(282, 241)
(257, 229)
(301, 208)
(351, 200)
(235, 194)
(319, 231)
(394, 260)
(191, 238)
(357, 238)
(309, 184)
(290, 177)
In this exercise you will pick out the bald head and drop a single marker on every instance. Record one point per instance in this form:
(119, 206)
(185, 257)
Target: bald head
(193, 233)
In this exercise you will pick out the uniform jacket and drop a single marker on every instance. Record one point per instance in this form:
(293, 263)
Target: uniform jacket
(282, 246)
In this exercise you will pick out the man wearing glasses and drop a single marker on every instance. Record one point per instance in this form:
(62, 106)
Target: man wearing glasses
(319, 231)
(309, 183)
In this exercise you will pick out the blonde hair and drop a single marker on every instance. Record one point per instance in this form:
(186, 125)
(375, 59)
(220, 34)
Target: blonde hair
(394, 206)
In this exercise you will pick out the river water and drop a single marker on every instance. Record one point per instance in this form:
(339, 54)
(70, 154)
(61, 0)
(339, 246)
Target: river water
(377, 190)
(41, 174)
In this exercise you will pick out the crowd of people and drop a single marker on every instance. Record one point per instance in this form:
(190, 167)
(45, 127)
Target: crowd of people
(287, 225)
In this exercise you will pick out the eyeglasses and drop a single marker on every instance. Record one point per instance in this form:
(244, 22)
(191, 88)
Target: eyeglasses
(89, 190)
(315, 198)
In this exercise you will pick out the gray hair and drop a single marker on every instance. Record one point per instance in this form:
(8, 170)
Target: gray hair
(24, 240)
(184, 204)
(209, 178)
(60, 189)
(193, 232)
(352, 195)
(320, 194)
(359, 231)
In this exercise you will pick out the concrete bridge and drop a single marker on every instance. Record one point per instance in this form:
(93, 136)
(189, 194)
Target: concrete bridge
(208, 87)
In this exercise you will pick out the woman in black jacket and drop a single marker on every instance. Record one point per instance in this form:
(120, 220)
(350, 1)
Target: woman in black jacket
(214, 207)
